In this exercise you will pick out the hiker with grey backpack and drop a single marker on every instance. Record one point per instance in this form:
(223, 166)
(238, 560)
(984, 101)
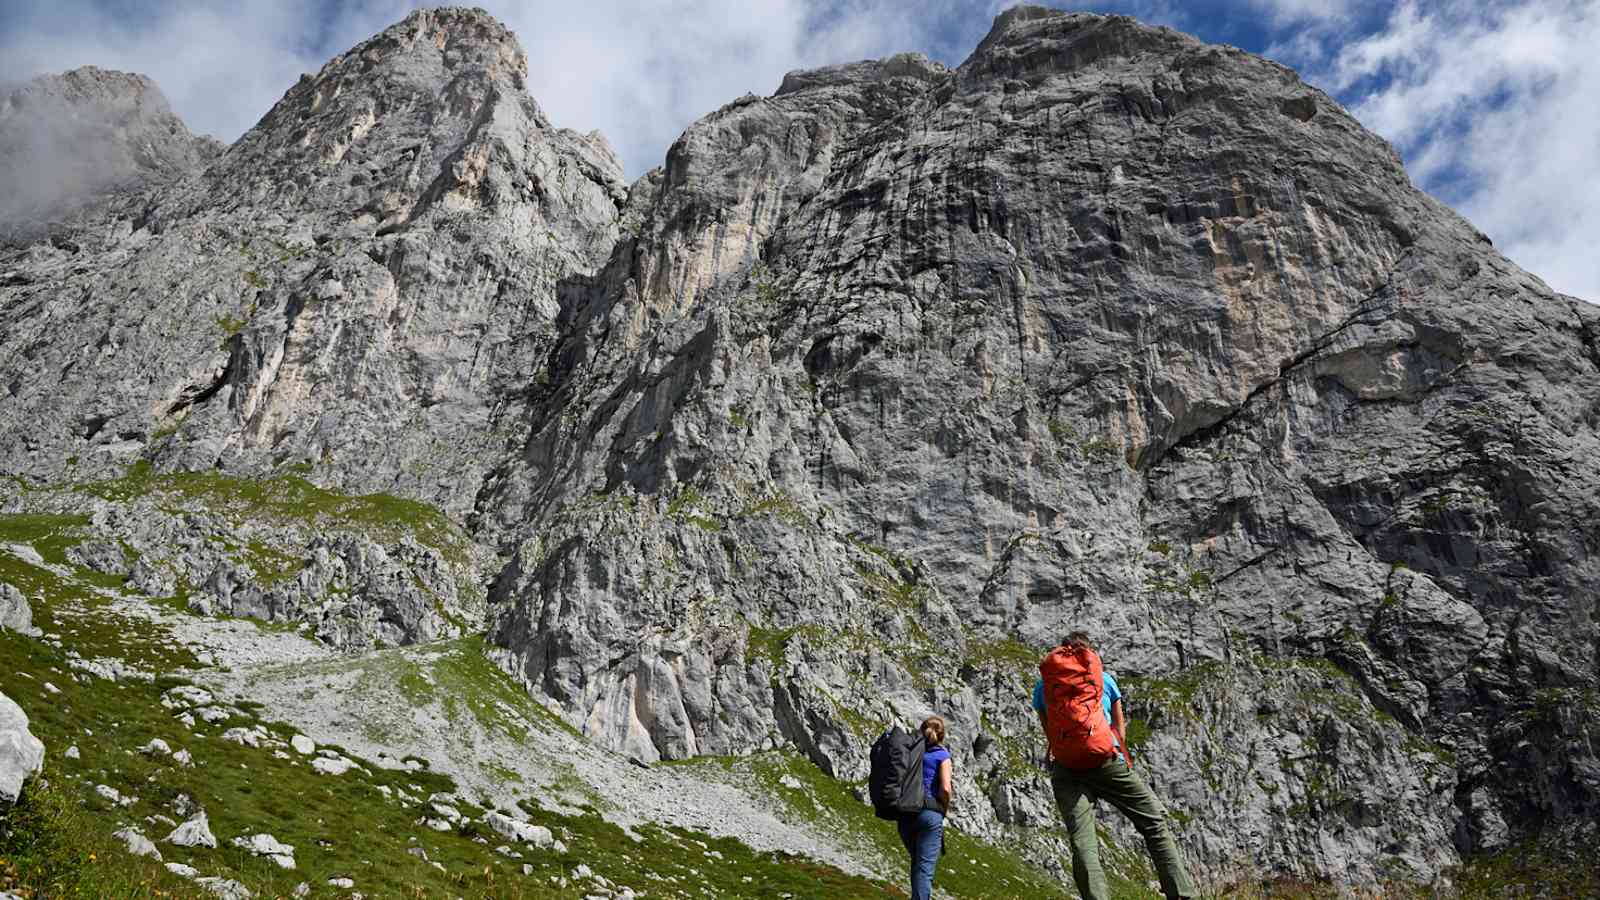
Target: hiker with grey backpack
(910, 783)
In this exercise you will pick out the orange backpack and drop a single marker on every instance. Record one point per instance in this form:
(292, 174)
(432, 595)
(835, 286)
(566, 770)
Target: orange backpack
(1075, 721)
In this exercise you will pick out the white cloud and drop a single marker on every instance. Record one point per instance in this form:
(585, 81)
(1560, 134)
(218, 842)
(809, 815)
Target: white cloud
(642, 71)
(221, 67)
(1493, 108)
(1290, 12)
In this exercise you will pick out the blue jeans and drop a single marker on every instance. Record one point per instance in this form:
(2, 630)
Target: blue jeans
(923, 834)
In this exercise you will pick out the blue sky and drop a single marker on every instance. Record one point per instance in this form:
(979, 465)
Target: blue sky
(1492, 103)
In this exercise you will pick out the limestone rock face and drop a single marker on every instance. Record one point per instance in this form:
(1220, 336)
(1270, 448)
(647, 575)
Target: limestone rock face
(901, 372)
(356, 572)
(71, 143)
(852, 408)
(365, 282)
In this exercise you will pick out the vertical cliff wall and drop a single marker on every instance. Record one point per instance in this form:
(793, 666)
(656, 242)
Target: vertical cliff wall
(901, 372)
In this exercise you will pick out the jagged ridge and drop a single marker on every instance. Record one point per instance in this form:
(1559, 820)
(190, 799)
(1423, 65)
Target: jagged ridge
(880, 383)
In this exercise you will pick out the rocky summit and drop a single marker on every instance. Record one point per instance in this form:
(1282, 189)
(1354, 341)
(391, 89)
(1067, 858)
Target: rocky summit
(405, 423)
(69, 142)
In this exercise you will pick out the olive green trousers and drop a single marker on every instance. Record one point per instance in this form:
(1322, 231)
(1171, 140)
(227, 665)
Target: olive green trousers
(1117, 784)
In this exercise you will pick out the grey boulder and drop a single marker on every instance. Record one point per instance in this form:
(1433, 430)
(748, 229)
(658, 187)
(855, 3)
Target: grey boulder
(224, 888)
(15, 613)
(268, 846)
(195, 832)
(517, 830)
(137, 844)
(21, 754)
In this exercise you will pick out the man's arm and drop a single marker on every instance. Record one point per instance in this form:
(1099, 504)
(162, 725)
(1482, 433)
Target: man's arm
(1119, 724)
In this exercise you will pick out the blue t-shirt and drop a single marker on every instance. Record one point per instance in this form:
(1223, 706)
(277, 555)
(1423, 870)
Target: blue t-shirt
(930, 770)
(1109, 694)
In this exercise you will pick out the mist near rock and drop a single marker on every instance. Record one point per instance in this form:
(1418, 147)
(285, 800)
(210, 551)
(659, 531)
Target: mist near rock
(67, 141)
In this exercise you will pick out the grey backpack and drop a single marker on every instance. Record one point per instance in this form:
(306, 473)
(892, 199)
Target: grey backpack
(895, 782)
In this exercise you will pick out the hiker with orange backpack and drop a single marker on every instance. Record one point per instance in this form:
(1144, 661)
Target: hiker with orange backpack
(1085, 765)
(1110, 701)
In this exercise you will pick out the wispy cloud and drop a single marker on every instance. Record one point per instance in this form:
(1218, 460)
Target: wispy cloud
(1491, 107)
(221, 67)
(641, 71)
(1489, 103)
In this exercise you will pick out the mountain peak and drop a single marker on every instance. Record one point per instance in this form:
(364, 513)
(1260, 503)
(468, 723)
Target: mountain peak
(457, 36)
(70, 140)
(399, 121)
(915, 66)
(452, 57)
(89, 83)
(1028, 40)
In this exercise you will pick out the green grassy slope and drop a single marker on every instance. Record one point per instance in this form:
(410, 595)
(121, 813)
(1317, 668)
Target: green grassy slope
(360, 825)
(367, 825)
